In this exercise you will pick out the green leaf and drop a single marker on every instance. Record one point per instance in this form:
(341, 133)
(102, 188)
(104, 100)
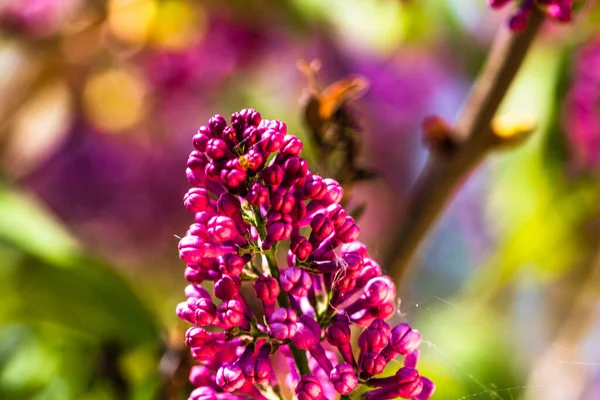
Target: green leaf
(50, 279)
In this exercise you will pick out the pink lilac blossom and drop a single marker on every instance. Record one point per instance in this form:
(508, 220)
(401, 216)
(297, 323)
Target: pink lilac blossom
(254, 198)
(581, 111)
(558, 10)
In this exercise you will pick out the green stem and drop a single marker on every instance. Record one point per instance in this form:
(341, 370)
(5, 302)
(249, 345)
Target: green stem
(299, 355)
(283, 300)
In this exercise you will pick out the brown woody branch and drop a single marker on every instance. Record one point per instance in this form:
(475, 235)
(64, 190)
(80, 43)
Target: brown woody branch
(444, 172)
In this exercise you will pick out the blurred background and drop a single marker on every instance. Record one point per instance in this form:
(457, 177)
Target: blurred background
(99, 101)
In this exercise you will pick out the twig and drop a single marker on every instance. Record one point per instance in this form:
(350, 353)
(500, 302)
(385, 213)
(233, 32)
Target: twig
(445, 171)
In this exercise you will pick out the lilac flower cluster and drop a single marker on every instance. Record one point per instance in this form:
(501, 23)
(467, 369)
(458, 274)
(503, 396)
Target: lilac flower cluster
(253, 194)
(559, 10)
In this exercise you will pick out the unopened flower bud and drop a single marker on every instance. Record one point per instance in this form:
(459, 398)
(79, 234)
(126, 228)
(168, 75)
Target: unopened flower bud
(282, 324)
(343, 378)
(309, 388)
(295, 281)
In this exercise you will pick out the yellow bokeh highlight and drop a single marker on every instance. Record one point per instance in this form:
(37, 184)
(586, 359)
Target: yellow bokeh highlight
(114, 100)
(131, 20)
(178, 24)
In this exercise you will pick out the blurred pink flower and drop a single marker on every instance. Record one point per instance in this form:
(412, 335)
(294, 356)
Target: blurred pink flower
(581, 111)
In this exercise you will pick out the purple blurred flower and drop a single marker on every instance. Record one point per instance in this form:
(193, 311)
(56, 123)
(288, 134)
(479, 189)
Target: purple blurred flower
(581, 112)
(559, 10)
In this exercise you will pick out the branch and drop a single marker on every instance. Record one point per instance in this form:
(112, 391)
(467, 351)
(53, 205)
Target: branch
(445, 171)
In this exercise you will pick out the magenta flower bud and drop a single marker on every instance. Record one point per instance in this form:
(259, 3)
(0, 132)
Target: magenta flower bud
(233, 174)
(271, 140)
(196, 276)
(352, 263)
(403, 340)
(196, 291)
(200, 376)
(230, 206)
(196, 336)
(295, 281)
(203, 217)
(375, 337)
(383, 311)
(195, 177)
(217, 149)
(257, 195)
(322, 227)
(227, 287)
(427, 390)
(337, 215)
(203, 393)
(258, 370)
(343, 378)
(279, 227)
(197, 161)
(266, 289)
(251, 116)
(354, 247)
(213, 170)
(223, 228)
(299, 210)
(196, 200)
(282, 200)
(369, 271)
(334, 192)
(309, 388)
(300, 247)
(231, 313)
(411, 359)
(295, 168)
(231, 264)
(349, 231)
(191, 249)
(251, 136)
(197, 229)
(338, 333)
(315, 188)
(216, 124)
(238, 123)
(230, 377)
(379, 290)
(308, 333)
(229, 135)
(199, 311)
(365, 316)
(406, 383)
(276, 125)
(253, 160)
(372, 363)
(272, 175)
(200, 139)
(292, 146)
(282, 324)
